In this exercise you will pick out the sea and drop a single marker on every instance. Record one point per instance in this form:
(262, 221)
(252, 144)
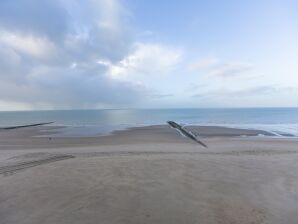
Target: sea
(279, 121)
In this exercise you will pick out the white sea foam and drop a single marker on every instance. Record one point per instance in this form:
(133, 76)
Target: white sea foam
(278, 130)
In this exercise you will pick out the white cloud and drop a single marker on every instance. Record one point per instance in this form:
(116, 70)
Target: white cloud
(247, 92)
(214, 67)
(62, 62)
(10, 105)
(231, 69)
(146, 60)
(203, 63)
(84, 56)
(28, 44)
(262, 95)
(10, 60)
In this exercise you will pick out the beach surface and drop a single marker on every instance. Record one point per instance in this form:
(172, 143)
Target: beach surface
(148, 175)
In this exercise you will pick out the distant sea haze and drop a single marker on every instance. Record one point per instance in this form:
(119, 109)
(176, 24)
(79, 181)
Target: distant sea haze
(277, 120)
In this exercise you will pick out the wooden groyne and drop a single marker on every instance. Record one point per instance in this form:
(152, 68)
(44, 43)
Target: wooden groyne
(25, 126)
(186, 132)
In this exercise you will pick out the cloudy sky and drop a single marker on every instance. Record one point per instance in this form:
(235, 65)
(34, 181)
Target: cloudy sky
(72, 54)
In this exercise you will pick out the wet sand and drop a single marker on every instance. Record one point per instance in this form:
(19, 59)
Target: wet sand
(148, 175)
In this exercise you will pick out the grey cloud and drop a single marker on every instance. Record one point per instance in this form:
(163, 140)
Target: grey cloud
(248, 92)
(161, 96)
(84, 30)
(65, 88)
(229, 70)
(216, 68)
(76, 35)
(195, 87)
(200, 95)
(45, 17)
(9, 61)
(259, 90)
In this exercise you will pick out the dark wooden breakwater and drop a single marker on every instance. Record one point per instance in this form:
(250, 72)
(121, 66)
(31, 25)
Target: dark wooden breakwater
(25, 126)
(185, 132)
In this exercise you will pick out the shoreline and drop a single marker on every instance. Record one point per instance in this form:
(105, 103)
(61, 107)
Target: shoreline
(220, 130)
(49, 137)
(204, 130)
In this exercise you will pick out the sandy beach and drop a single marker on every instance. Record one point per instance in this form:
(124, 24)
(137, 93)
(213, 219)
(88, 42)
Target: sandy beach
(148, 175)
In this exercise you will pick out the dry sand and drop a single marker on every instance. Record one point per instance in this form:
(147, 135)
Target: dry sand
(148, 175)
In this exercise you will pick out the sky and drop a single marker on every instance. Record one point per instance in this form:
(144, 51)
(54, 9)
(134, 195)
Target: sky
(73, 54)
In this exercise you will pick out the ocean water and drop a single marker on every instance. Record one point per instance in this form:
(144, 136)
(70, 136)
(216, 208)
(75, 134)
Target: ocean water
(92, 122)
